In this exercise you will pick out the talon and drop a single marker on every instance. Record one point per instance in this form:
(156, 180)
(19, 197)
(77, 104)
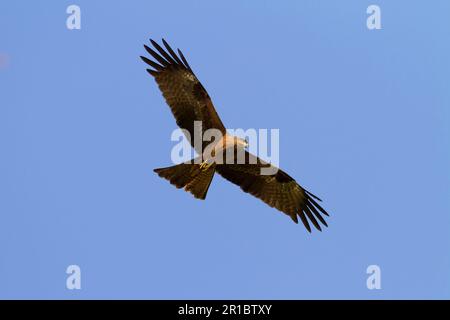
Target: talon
(205, 165)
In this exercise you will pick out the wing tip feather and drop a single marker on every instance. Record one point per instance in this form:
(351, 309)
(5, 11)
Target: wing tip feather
(152, 72)
(165, 57)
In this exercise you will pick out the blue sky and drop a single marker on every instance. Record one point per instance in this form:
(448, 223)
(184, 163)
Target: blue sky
(364, 123)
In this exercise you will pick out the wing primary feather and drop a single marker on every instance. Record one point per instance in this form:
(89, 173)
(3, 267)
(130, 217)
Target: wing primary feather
(304, 220)
(294, 217)
(184, 60)
(157, 56)
(311, 217)
(151, 63)
(318, 206)
(316, 213)
(172, 53)
(312, 195)
(152, 72)
(163, 52)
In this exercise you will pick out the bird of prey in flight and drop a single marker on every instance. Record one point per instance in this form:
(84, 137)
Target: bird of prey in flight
(189, 102)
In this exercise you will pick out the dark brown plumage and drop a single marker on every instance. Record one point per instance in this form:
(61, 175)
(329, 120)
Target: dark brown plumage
(278, 190)
(185, 95)
(189, 102)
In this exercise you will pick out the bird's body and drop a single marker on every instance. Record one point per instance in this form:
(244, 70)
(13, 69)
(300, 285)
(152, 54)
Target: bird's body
(190, 103)
(218, 149)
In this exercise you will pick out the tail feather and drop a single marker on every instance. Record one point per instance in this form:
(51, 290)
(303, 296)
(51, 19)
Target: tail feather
(190, 177)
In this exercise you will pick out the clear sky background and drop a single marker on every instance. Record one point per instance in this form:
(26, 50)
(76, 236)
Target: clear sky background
(364, 123)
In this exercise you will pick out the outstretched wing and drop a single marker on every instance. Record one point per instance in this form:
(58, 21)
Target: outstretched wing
(278, 190)
(185, 95)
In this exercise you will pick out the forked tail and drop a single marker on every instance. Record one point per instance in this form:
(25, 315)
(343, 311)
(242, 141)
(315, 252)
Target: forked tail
(190, 177)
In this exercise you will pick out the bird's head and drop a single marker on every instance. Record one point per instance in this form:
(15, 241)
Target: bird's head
(241, 143)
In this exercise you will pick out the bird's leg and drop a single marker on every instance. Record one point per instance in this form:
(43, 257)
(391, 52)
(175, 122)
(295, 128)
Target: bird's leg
(206, 164)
